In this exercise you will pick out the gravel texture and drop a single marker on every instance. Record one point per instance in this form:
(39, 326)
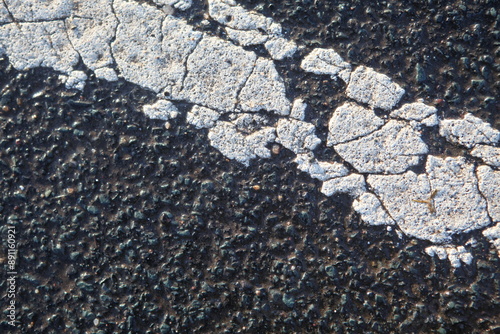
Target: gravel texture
(127, 225)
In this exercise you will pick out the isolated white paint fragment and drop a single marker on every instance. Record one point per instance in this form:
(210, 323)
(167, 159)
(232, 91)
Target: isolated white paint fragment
(202, 117)
(217, 70)
(369, 207)
(91, 28)
(298, 111)
(326, 61)
(27, 46)
(76, 80)
(456, 207)
(106, 73)
(37, 10)
(489, 154)
(161, 109)
(375, 89)
(234, 145)
(297, 136)
(246, 37)
(351, 121)
(456, 255)
(493, 235)
(468, 131)
(392, 149)
(320, 170)
(489, 185)
(353, 184)
(230, 14)
(280, 48)
(264, 90)
(417, 111)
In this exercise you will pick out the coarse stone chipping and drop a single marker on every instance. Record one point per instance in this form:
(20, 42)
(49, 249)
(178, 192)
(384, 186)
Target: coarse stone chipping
(392, 149)
(468, 131)
(280, 48)
(489, 185)
(297, 136)
(156, 57)
(456, 255)
(351, 121)
(202, 117)
(37, 10)
(493, 235)
(27, 46)
(436, 205)
(264, 90)
(369, 207)
(91, 38)
(163, 53)
(179, 4)
(489, 154)
(298, 111)
(417, 111)
(161, 109)
(326, 61)
(375, 89)
(353, 184)
(320, 170)
(76, 80)
(246, 37)
(234, 145)
(232, 15)
(217, 70)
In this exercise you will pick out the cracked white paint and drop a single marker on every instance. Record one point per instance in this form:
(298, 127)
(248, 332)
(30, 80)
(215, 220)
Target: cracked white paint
(353, 184)
(418, 112)
(297, 136)
(489, 185)
(468, 131)
(161, 109)
(489, 154)
(326, 61)
(320, 170)
(202, 117)
(369, 207)
(148, 46)
(264, 90)
(351, 121)
(375, 89)
(392, 149)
